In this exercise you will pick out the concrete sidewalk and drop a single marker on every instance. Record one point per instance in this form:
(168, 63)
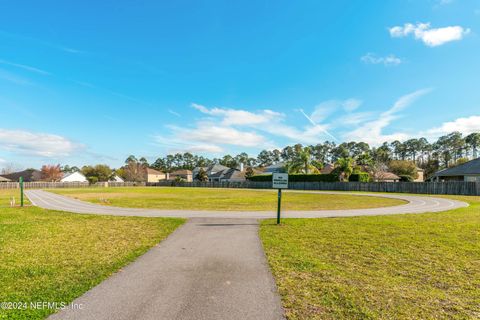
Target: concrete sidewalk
(207, 269)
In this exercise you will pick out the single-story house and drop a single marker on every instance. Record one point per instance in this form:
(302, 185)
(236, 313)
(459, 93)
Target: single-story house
(152, 175)
(383, 176)
(29, 175)
(231, 175)
(469, 171)
(186, 175)
(3, 179)
(213, 171)
(220, 173)
(76, 176)
(116, 178)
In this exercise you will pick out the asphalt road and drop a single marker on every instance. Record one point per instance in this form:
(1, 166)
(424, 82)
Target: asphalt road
(416, 204)
(207, 269)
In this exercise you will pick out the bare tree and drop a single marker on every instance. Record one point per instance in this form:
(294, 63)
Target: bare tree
(10, 167)
(135, 171)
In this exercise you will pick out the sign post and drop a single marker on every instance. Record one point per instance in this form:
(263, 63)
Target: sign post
(21, 191)
(279, 181)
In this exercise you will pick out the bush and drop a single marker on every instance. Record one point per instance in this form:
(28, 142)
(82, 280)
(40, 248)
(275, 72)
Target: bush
(92, 179)
(404, 168)
(359, 177)
(260, 178)
(312, 178)
(298, 178)
(405, 178)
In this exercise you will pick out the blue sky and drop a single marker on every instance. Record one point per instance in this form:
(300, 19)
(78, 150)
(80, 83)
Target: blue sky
(85, 82)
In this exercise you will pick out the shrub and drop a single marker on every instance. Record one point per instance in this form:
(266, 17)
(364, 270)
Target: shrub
(260, 177)
(404, 168)
(359, 177)
(301, 177)
(313, 178)
(406, 178)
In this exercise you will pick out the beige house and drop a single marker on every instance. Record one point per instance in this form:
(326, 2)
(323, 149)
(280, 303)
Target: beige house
(152, 175)
(421, 175)
(186, 175)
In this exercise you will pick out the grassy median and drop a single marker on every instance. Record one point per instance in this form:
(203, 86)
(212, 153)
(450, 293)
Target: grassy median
(49, 256)
(416, 266)
(222, 199)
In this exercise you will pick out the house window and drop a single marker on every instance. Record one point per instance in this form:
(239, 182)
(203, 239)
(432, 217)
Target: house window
(472, 178)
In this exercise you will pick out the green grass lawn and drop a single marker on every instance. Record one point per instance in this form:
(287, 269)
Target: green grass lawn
(221, 199)
(424, 266)
(56, 256)
(7, 194)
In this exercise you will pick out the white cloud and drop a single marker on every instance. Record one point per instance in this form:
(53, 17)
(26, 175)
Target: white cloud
(351, 104)
(390, 60)
(325, 109)
(209, 132)
(372, 131)
(354, 118)
(239, 117)
(173, 145)
(464, 125)
(210, 148)
(24, 67)
(430, 36)
(37, 144)
(174, 113)
(268, 121)
(13, 78)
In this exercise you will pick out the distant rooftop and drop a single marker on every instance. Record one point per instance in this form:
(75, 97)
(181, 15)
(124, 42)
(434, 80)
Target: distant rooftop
(470, 167)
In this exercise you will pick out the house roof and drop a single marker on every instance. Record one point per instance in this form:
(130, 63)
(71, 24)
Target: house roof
(28, 175)
(216, 168)
(277, 167)
(177, 172)
(153, 171)
(3, 179)
(383, 175)
(470, 167)
(69, 174)
(327, 169)
(233, 174)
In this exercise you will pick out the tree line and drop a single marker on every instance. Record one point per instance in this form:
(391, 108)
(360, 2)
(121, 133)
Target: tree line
(447, 151)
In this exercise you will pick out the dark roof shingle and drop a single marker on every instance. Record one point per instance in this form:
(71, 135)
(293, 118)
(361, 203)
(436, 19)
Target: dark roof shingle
(470, 167)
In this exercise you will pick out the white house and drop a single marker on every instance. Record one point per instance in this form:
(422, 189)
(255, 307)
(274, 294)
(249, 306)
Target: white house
(76, 176)
(116, 178)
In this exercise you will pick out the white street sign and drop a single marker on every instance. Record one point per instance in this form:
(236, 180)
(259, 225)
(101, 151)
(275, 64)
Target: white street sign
(280, 181)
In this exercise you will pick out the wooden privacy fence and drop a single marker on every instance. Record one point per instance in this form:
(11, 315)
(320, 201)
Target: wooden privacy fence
(452, 187)
(52, 185)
